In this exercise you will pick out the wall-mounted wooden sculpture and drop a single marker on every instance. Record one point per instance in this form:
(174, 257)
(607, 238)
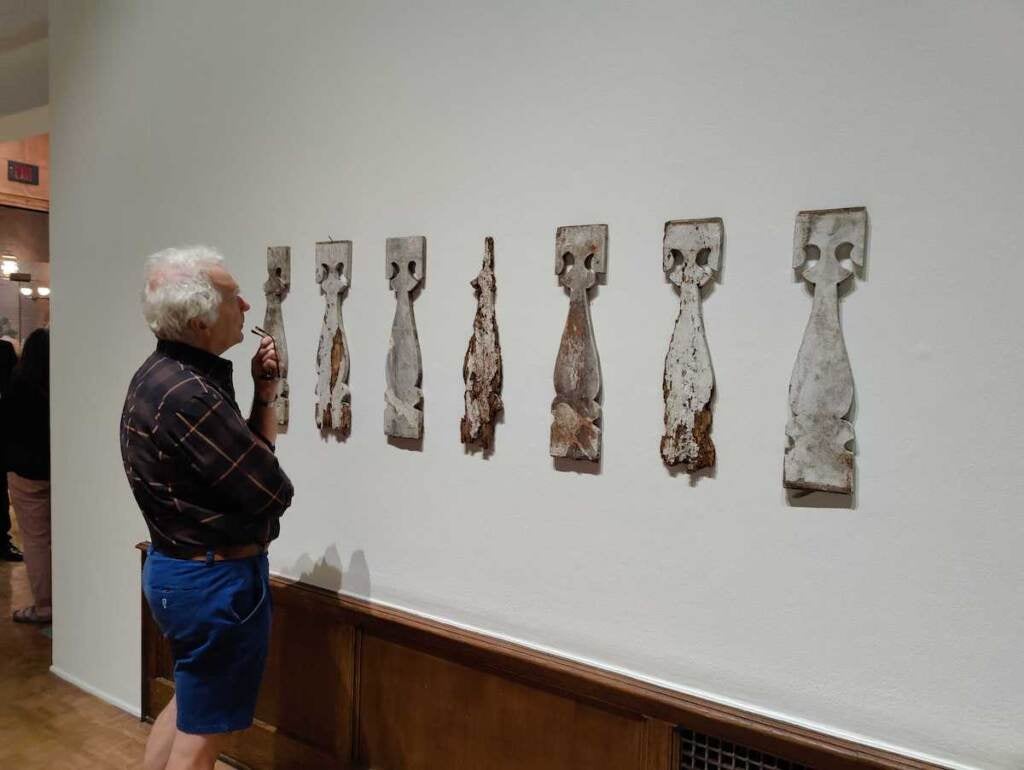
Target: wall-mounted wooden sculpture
(481, 369)
(403, 411)
(276, 288)
(821, 388)
(691, 255)
(581, 253)
(333, 397)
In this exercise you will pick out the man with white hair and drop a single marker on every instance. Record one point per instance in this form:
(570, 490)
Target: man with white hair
(212, 493)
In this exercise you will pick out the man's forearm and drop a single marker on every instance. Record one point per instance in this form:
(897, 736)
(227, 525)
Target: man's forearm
(263, 419)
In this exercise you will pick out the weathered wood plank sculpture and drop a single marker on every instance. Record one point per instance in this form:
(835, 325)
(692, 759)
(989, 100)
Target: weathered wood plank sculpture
(276, 288)
(821, 388)
(580, 255)
(691, 255)
(481, 369)
(403, 411)
(334, 274)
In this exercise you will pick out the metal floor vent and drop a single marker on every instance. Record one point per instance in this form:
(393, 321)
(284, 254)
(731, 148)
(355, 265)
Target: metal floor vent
(698, 751)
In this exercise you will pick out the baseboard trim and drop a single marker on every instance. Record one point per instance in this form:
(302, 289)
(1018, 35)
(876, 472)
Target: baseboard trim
(95, 691)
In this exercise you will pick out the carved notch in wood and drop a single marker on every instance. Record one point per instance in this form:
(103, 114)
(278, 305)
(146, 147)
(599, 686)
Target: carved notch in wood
(276, 288)
(333, 396)
(481, 369)
(821, 388)
(581, 253)
(691, 255)
(403, 412)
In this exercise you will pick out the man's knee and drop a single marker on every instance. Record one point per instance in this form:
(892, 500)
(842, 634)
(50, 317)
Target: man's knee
(194, 752)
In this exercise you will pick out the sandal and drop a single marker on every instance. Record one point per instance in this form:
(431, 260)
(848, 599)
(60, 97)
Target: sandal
(31, 615)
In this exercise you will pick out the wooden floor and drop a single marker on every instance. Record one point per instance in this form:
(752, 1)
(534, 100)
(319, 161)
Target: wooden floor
(46, 723)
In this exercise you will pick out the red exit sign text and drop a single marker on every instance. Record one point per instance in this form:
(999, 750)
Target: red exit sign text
(25, 173)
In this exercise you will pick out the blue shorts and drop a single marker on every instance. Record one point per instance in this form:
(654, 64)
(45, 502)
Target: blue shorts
(216, 615)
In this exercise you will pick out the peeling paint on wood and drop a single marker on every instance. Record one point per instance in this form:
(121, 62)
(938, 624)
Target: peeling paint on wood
(333, 409)
(481, 368)
(276, 288)
(581, 253)
(691, 255)
(403, 411)
(821, 388)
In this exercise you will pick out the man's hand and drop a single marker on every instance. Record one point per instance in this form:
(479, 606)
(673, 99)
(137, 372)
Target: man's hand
(265, 369)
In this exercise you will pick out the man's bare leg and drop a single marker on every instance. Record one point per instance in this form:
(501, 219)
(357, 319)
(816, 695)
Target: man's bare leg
(161, 737)
(194, 752)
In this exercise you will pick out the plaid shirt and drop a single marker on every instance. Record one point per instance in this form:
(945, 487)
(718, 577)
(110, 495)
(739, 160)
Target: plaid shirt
(201, 475)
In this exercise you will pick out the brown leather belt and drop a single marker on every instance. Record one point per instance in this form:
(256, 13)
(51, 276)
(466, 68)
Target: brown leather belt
(228, 552)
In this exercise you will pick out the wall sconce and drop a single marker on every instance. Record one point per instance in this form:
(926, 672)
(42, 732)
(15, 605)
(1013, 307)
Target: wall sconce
(44, 291)
(26, 291)
(8, 265)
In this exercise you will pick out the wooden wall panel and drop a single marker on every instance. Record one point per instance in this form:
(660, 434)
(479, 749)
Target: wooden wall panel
(419, 712)
(308, 685)
(353, 684)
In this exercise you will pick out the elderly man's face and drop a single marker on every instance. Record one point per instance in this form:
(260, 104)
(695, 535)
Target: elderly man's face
(227, 329)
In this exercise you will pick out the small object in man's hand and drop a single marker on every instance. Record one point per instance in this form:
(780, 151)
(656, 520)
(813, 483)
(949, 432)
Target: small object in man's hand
(261, 333)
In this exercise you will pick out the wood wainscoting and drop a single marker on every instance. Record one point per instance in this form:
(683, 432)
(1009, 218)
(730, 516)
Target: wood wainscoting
(351, 684)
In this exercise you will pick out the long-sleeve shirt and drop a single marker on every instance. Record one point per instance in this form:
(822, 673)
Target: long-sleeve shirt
(201, 475)
(25, 423)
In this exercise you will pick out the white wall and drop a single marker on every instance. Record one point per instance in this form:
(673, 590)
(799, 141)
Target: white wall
(252, 124)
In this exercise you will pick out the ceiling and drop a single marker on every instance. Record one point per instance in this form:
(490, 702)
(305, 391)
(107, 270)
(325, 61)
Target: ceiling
(22, 22)
(24, 56)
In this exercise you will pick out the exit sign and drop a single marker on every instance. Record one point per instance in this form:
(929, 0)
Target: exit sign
(25, 173)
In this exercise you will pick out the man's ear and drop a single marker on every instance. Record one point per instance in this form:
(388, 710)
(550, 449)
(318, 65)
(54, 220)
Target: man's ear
(197, 326)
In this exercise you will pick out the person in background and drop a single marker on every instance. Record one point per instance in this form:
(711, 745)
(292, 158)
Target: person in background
(212, 494)
(25, 409)
(8, 550)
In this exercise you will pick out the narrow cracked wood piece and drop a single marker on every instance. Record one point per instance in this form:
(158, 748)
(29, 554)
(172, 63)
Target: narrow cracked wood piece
(276, 288)
(333, 409)
(403, 412)
(821, 387)
(580, 255)
(481, 368)
(691, 255)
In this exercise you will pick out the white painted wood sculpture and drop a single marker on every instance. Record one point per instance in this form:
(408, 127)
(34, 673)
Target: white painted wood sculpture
(276, 288)
(691, 255)
(333, 397)
(481, 368)
(403, 411)
(821, 388)
(581, 253)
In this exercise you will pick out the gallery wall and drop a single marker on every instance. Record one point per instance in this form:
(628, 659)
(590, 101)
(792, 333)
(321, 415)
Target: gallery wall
(895, 619)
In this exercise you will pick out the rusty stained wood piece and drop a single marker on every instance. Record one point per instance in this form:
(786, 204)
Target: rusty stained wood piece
(691, 255)
(333, 409)
(403, 412)
(581, 253)
(481, 368)
(276, 288)
(821, 387)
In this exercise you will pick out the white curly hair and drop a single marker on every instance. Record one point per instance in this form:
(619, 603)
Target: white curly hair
(178, 289)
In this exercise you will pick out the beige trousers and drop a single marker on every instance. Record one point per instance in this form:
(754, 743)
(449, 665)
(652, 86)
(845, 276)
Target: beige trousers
(31, 501)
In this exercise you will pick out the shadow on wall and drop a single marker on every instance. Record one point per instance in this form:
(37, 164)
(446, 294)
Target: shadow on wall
(326, 572)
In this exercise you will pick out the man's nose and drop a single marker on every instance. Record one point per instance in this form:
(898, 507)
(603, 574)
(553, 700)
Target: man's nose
(244, 305)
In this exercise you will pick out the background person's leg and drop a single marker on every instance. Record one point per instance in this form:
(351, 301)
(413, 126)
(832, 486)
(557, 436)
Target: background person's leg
(32, 507)
(158, 746)
(8, 551)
